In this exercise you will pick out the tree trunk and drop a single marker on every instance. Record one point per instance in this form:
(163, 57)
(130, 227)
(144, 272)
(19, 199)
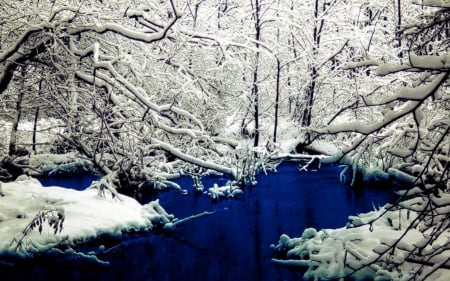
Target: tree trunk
(255, 90)
(277, 100)
(397, 31)
(15, 125)
(73, 110)
(310, 91)
(36, 117)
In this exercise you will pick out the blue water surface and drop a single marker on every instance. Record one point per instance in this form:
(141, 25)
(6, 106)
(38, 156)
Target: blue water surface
(79, 181)
(233, 243)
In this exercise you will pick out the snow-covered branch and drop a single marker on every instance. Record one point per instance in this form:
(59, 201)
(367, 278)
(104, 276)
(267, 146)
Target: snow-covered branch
(187, 158)
(433, 3)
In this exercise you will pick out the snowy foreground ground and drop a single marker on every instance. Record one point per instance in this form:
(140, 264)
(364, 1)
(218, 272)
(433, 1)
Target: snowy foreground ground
(34, 218)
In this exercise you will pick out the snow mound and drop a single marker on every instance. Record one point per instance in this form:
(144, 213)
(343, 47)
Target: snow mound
(395, 242)
(34, 218)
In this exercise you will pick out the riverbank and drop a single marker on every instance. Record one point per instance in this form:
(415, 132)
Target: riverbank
(36, 218)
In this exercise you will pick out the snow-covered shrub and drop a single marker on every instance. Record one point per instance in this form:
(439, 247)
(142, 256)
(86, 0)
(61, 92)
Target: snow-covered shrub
(53, 218)
(230, 189)
(405, 241)
(247, 163)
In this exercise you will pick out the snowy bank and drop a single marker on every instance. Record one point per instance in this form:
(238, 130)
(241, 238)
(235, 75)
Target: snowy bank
(408, 241)
(54, 164)
(34, 218)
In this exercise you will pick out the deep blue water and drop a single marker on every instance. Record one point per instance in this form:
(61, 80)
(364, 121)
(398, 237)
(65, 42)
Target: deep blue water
(78, 181)
(232, 244)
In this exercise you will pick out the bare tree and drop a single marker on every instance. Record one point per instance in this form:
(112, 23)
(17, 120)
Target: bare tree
(94, 62)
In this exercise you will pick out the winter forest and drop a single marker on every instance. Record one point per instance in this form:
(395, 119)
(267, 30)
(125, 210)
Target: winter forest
(145, 91)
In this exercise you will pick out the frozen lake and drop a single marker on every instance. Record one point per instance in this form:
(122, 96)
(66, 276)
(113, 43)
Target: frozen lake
(232, 244)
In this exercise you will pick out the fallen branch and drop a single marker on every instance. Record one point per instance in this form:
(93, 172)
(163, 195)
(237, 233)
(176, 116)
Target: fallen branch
(172, 225)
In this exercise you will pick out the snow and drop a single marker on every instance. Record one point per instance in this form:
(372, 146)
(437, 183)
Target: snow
(420, 93)
(430, 61)
(365, 245)
(386, 69)
(229, 190)
(85, 216)
(400, 175)
(46, 130)
(172, 225)
(99, 210)
(434, 3)
(358, 249)
(181, 155)
(52, 164)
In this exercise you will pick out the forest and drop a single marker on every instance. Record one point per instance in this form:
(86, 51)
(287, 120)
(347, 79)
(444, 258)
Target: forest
(144, 91)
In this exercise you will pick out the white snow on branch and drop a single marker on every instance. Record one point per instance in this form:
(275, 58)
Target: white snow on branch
(433, 3)
(190, 159)
(413, 96)
(400, 175)
(12, 51)
(386, 68)
(138, 35)
(432, 62)
(173, 224)
(364, 127)
(416, 63)
(420, 93)
(134, 92)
